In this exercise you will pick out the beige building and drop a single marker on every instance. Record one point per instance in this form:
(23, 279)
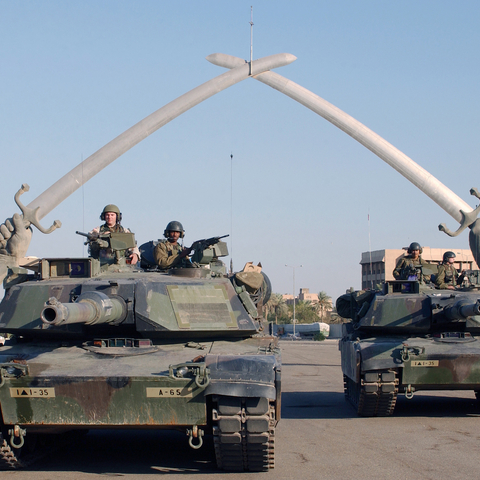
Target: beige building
(304, 295)
(378, 266)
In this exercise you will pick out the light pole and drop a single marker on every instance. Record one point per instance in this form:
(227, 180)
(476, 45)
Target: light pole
(293, 267)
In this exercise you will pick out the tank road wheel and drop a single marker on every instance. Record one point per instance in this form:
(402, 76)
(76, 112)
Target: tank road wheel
(375, 395)
(244, 433)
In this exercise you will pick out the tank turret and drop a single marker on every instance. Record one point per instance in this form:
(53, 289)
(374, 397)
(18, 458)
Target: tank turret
(404, 312)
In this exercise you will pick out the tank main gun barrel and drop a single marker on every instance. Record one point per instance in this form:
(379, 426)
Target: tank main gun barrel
(90, 308)
(462, 309)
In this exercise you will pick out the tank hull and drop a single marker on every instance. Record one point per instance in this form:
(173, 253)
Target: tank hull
(50, 388)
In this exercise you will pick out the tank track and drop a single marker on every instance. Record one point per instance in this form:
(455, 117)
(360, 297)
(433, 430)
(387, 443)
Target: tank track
(8, 457)
(41, 446)
(244, 433)
(375, 395)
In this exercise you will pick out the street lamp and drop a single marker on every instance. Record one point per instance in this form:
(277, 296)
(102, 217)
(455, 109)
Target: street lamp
(294, 267)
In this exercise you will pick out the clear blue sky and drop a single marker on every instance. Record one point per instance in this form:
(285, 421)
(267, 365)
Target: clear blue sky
(76, 74)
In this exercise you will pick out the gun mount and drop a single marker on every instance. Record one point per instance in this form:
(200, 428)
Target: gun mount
(109, 248)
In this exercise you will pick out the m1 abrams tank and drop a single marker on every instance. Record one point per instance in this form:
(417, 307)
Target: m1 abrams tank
(407, 338)
(118, 346)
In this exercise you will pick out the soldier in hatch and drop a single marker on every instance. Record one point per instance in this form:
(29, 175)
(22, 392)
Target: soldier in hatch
(406, 265)
(112, 217)
(168, 253)
(448, 277)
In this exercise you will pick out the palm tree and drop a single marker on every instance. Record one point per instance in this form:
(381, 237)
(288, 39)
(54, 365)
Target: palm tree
(276, 306)
(324, 304)
(305, 312)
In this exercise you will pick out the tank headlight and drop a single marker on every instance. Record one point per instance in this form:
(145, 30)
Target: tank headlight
(13, 372)
(182, 371)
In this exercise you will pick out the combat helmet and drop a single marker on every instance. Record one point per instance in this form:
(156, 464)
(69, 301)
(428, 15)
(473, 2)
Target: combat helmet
(414, 246)
(111, 208)
(448, 255)
(174, 226)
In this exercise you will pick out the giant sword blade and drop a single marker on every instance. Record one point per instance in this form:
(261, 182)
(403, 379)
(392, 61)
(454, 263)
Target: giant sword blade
(12, 248)
(421, 178)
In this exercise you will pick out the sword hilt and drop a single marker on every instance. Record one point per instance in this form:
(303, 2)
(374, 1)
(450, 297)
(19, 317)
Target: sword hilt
(30, 215)
(467, 218)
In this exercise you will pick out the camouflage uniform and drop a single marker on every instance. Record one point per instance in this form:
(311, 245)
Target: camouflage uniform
(166, 255)
(105, 254)
(448, 276)
(405, 262)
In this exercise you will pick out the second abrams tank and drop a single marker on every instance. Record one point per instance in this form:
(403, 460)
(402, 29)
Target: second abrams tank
(408, 338)
(116, 346)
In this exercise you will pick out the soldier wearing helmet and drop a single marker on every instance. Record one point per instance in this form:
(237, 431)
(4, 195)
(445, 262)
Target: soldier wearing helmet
(169, 253)
(112, 217)
(407, 264)
(448, 277)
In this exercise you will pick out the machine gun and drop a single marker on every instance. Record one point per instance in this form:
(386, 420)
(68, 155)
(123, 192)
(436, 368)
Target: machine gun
(101, 239)
(204, 253)
(206, 242)
(411, 272)
(109, 247)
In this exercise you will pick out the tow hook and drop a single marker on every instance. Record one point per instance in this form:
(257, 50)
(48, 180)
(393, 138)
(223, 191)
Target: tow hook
(202, 379)
(407, 351)
(17, 432)
(409, 391)
(201, 372)
(195, 432)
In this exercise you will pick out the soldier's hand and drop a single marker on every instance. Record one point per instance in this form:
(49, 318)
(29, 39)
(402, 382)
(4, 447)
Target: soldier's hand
(185, 252)
(15, 237)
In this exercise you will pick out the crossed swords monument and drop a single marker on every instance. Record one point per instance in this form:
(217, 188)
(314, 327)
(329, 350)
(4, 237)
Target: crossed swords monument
(15, 233)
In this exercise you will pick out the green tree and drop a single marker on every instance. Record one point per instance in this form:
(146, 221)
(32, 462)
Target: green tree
(304, 312)
(276, 308)
(324, 304)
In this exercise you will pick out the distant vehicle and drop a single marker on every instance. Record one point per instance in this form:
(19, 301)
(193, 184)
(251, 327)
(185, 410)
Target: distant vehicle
(407, 338)
(306, 330)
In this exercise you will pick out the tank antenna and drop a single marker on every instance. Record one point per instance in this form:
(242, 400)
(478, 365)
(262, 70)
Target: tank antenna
(370, 251)
(83, 206)
(251, 38)
(231, 213)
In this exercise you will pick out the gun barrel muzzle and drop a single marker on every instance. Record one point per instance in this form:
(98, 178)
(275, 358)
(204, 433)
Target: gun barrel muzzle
(90, 308)
(462, 309)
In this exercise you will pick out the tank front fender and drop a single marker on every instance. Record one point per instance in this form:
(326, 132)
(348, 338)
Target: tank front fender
(361, 356)
(242, 375)
(380, 355)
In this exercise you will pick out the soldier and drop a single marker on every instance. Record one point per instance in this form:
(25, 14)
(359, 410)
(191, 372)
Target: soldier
(168, 253)
(448, 277)
(112, 217)
(406, 265)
